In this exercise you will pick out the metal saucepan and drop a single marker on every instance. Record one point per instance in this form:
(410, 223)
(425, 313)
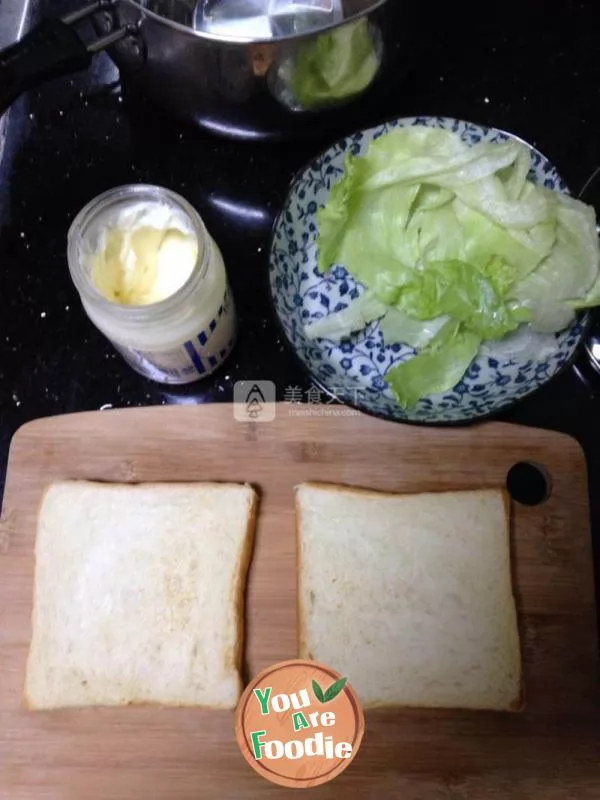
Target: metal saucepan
(273, 82)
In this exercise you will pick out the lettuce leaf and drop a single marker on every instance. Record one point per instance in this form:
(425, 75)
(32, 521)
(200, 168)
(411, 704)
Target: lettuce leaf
(506, 255)
(398, 328)
(460, 291)
(568, 273)
(436, 229)
(336, 65)
(433, 371)
(342, 324)
(591, 299)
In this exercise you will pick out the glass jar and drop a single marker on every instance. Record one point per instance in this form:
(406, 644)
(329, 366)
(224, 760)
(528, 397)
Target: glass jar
(177, 340)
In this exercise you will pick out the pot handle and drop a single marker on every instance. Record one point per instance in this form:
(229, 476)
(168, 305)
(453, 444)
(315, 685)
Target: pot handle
(51, 49)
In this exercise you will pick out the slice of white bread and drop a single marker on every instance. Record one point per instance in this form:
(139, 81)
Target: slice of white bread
(139, 594)
(410, 596)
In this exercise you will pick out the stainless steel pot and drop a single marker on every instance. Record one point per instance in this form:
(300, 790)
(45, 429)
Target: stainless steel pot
(238, 86)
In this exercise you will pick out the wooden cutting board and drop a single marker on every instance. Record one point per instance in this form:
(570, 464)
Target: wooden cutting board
(551, 750)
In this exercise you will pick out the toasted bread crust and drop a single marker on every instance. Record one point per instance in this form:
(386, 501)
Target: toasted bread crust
(300, 615)
(240, 587)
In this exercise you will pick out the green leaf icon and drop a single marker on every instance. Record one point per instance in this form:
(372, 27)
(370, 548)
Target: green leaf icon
(318, 692)
(334, 689)
(331, 693)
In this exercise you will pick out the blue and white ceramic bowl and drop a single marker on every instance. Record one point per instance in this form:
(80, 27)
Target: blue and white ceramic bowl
(354, 371)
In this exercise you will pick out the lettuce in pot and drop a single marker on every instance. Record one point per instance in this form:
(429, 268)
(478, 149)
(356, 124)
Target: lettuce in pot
(336, 65)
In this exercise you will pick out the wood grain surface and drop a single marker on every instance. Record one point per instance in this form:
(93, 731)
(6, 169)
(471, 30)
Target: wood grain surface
(551, 750)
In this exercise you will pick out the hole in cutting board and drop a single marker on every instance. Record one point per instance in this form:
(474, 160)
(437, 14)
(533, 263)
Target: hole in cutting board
(529, 483)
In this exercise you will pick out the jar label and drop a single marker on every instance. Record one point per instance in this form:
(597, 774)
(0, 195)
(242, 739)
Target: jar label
(193, 359)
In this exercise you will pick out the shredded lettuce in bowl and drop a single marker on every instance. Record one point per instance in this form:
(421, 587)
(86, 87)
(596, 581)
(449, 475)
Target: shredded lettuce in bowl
(457, 249)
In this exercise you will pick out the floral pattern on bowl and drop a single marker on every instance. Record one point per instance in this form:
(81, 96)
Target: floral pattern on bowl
(354, 371)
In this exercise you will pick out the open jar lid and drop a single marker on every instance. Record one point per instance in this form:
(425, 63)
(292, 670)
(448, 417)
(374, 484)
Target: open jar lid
(259, 20)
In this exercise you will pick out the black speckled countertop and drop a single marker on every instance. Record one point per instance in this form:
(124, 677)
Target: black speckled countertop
(523, 68)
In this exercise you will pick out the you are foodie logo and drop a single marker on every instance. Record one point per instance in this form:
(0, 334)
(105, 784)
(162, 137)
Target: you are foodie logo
(299, 724)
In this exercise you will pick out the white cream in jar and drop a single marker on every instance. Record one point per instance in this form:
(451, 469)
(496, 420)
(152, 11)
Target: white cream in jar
(153, 281)
(146, 255)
